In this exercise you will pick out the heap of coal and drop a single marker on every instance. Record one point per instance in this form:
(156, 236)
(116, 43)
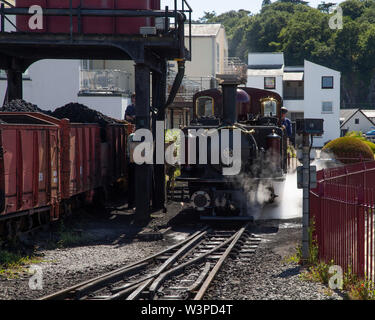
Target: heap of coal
(80, 113)
(22, 106)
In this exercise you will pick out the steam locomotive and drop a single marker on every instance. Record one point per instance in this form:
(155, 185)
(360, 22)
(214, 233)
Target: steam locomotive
(255, 116)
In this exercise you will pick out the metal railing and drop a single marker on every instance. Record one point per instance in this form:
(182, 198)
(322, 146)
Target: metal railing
(234, 69)
(234, 65)
(342, 208)
(109, 81)
(190, 86)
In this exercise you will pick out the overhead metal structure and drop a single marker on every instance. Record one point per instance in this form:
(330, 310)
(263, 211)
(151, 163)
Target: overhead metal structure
(150, 51)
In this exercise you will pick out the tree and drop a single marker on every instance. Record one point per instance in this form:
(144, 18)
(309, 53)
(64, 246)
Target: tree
(295, 1)
(208, 16)
(326, 7)
(353, 8)
(266, 3)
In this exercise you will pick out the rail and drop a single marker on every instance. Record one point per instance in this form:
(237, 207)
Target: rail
(167, 275)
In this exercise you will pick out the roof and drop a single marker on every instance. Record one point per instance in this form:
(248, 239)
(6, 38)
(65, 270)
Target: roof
(203, 29)
(294, 69)
(293, 76)
(347, 114)
(265, 66)
(265, 59)
(369, 113)
(265, 72)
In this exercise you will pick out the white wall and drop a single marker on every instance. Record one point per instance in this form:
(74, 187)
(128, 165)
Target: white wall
(52, 84)
(258, 82)
(364, 123)
(315, 95)
(55, 83)
(112, 106)
(266, 58)
(295, 105)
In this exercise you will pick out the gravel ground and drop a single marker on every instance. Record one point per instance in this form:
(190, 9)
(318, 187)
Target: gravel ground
(111, 243)
(267, 276)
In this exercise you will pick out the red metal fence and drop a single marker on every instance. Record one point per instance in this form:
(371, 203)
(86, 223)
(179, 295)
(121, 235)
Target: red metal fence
(343, 209)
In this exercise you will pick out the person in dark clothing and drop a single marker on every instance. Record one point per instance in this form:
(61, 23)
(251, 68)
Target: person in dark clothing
(130, 111)
(286, 122)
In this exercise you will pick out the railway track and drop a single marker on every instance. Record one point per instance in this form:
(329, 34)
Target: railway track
(183, 271)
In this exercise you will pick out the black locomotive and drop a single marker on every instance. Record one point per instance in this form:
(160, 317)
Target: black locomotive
(255, 166)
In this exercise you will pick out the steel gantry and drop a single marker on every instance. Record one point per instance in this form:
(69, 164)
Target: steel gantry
(150, 52)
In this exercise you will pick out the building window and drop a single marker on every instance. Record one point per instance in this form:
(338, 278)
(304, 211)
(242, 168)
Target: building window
(327, 82)
(269, 83)
(296, 115)
(327, 107)
(356, 121)
(293, 90)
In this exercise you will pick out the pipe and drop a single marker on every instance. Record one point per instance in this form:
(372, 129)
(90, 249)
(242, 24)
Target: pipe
(175, 87)
(229, 102)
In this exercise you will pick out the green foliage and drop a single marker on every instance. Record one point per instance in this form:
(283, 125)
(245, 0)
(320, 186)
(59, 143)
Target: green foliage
(69, 237)
(359, 135)
(362, 290)
(319, 272)
(12, 264)
(349, 147)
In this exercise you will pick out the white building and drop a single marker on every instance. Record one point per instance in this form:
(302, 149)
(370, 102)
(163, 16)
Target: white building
(308, 91)
(357, 120)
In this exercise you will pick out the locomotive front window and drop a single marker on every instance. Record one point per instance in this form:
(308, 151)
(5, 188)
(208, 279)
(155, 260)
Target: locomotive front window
(205, 107)
(269, 108)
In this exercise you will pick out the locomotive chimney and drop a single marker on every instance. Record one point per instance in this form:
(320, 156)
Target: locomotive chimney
(229, 101)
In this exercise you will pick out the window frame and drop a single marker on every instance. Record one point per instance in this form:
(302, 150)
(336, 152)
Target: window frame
(274, 84)
(327, 112)
(333, 84)
(197, 105)
(262, 101)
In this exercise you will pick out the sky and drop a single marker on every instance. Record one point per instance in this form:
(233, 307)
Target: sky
(221, 6)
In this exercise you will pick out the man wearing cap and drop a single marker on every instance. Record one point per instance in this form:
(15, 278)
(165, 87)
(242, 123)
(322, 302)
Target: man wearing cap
(286, 123)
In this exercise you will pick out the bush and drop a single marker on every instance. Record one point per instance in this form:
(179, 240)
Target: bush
(359, 135)
(349, 150)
